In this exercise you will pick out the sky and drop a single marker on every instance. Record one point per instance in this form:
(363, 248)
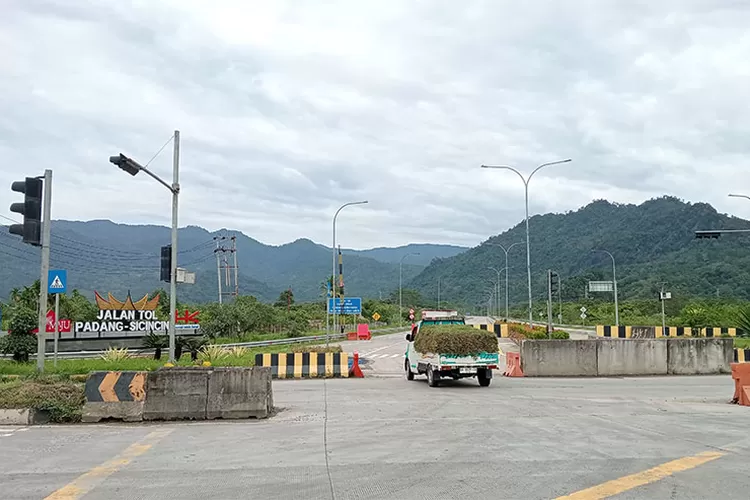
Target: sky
(289, 109)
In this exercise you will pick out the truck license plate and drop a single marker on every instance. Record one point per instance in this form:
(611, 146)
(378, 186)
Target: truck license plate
(468, 370)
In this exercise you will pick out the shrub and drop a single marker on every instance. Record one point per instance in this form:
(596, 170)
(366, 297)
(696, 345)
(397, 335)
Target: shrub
(63, 400)
(20, 342)
(156, 342)
(212, 353)
(560, 335)
(459, 340)
(238, 351)
(114, 354)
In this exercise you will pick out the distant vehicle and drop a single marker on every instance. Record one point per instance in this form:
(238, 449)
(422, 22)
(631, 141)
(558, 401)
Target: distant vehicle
(436, 365)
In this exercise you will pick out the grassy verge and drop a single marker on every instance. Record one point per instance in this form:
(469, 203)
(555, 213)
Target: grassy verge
(62, 399)
(71, 367)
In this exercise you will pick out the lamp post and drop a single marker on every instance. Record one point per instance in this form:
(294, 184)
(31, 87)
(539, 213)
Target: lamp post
(526, 196)
(506, 250)
(400, 279)
(132, 167)
(614, 284)
(333, 269)
(497, 286)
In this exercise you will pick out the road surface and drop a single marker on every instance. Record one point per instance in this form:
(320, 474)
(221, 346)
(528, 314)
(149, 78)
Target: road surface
(389, 438)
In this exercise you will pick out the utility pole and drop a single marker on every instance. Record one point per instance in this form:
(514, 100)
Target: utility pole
(231, 272)
(549, 303)
(662, 296)
(41, 346)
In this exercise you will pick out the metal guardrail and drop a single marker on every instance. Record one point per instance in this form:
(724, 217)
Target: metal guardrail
(257, 343)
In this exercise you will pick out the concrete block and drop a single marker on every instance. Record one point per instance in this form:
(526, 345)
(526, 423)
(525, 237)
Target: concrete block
(699, 356)
(559, 358)
(176, 393)
(127, 411)
(631, 357)
(239, 392)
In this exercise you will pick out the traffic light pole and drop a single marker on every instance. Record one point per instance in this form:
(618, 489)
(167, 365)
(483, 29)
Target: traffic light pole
(173, 278)
(41, 346)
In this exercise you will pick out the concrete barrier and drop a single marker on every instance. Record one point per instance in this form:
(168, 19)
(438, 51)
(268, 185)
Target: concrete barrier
(208, 393)
(650, 332)
(699, 356)
(742, 355)
(631, 357)
(235, 392)
(176, 394)
(114, 395)
(618, 357)
(559, 358)
(305, 364)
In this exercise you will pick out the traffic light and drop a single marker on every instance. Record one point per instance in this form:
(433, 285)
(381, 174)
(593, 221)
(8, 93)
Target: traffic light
(166, 264)
(127, 164)
(554, 282)
(31, 209)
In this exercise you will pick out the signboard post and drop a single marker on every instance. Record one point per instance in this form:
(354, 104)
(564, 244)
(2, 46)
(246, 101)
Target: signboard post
(57, 283)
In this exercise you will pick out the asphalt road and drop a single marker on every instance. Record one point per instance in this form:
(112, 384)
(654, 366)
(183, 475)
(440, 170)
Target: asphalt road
(388, 438)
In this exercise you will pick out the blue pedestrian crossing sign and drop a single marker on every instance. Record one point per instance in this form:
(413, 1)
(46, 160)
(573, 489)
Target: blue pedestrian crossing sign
(57, 281)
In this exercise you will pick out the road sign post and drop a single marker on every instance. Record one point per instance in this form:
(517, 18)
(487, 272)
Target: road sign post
(57, 283)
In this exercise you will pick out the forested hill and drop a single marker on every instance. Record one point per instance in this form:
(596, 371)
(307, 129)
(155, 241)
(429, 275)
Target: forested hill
(108, 257)
(651, 243)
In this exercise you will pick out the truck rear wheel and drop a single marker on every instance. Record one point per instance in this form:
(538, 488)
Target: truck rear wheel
(432, 377)
(409, 373)
(484, 377)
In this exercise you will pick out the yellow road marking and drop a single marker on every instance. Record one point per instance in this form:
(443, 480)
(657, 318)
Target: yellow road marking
(93, 478)
(617, 486)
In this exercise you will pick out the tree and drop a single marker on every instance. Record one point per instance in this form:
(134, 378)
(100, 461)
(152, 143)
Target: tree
(20, 342)
(286, 298)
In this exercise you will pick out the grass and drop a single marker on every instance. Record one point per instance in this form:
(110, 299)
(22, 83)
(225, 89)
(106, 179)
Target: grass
(460, 340)
(742, 343)
(61, 398)
(71, 367)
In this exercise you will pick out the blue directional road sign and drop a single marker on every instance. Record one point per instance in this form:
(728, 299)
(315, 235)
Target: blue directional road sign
(351, 305)
(57, 281)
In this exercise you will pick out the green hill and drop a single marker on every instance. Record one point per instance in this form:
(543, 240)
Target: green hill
(104, 256)
(651, 242)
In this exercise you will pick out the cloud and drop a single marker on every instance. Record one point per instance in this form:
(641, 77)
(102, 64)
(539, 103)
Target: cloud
(289, 109)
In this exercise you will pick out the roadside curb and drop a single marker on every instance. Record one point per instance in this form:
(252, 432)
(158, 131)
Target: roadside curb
(23, 416)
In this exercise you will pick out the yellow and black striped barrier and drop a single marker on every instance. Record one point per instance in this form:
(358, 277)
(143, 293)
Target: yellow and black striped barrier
(626, 332)
(115, 387)
(500, 329)
(305, 364)
(742, 355)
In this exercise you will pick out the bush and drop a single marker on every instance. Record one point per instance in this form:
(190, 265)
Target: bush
(20, 342)
(115, 354)
(63, 400)
(560, 335)
(459, 340)
(212, 353)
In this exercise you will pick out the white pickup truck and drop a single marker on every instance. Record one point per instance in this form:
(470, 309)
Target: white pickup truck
(437, 366)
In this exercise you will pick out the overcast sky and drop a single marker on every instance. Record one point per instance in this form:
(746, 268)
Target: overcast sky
(289, 109)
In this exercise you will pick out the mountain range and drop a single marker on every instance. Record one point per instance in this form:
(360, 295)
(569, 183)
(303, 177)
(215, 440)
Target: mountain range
(108, 257)
(651, 243)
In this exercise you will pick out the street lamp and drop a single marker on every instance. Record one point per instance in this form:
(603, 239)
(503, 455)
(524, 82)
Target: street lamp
(400, 274)
(497, 286)
(333, 269)
(506, 250)
(132, 167)
(526, 196)
(614, 284)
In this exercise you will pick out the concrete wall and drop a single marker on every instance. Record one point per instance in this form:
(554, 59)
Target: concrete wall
(239, 393)
(700, 356)
(618, 357)
(631, 357)
(558, 358)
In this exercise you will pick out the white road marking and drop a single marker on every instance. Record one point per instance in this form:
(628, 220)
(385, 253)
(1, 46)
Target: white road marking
(369, 354)
(396, 355)
(9, 431)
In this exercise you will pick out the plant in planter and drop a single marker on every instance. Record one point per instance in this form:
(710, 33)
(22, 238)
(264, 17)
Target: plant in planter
(20, 342)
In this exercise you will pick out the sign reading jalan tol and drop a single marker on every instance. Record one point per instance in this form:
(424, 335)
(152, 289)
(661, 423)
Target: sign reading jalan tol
(127, 316)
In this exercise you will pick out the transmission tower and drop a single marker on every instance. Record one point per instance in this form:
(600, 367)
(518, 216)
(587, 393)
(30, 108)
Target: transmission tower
(227, 271)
